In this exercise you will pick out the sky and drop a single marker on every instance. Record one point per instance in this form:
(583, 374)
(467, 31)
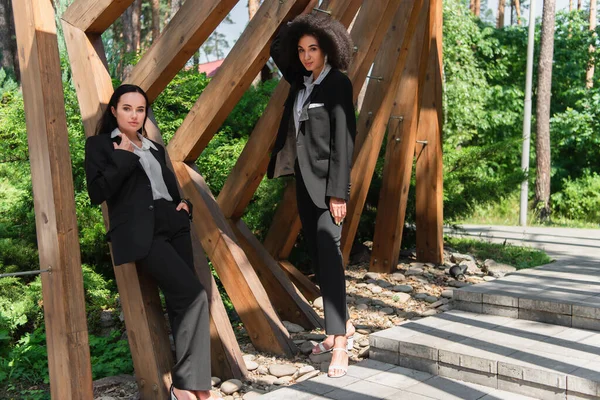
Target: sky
(239, 15)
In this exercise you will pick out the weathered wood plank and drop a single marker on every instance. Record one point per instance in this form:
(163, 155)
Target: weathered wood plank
(235, 75)
(181, 38)
(231, 264)
(286, 224)
(95, 16)
(56, 226)
(399, 156)
(301, 281)
(429, 185)
(379, 99)
(289, 303)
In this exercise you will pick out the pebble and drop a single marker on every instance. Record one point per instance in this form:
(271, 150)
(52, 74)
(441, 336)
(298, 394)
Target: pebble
(306, 347)
(363, 300)
(280, 370)
(403, 288)
(371, 275)
(350, 299)
(293, 328)
(445, 307)
(431, 299)
(283, 380)
(376, 289)
(251, 365)
(421, 296)
(387, 293)
(458, 257)
(318, 303)
(447, 293)
(308, 375)
(363, 331)
(231, 386)
(458, 284)
(364, 352)
(363, 342)
(362, 307)
(315, 336)
(254, 394)
(398, 277)
(305, 370)
(429, 313)
(387, 310)
(215, 381)
(299, 341)
(437, 304)
(414, 271)
(266, 380)
(319, 358)
(401, 297)
(489, 278)
(262, 370)
(361, 285)
(383, 284)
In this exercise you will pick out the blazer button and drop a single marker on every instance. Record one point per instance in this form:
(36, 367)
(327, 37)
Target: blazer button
(151, 208)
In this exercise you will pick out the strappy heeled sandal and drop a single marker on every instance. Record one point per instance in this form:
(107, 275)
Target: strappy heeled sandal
(323, 349)
(337, 367)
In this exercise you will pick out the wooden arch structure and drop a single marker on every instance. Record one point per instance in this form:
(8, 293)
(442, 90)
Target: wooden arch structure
(400, 38)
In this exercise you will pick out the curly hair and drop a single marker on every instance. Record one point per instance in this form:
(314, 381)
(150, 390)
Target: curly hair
(332, 36)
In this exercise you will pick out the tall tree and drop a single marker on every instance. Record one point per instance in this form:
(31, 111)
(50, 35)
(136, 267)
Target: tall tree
(252, 8)
(8, 41)
(589, 75)
(500, 20)
(542, 144)
(175, 6)
(155, 4)
(517, 5)
(477, 9)
(578, 5)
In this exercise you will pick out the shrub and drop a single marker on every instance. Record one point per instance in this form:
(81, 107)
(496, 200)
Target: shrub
(579, 198)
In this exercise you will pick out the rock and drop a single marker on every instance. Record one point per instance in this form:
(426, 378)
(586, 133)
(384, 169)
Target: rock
(318, 303)
(401, 297)
(437, 304)
(458, 258)
(231, 386)
(376, 289)
(228, 398)
(107, 398)
(431, 299)
(306, 347)
(447, 293)
(350, 299)
(387, 310)
(292, 328)
(315, 336)
(253, 394)
(249, 357)
(383, 284)
(489, 278)
(363, 353)
(215, 381)
(458, 284)
(378, 302)
(398, 277)
(363, 331)
(493, 267)
(387, 293)
(319, 358)
(417, 265)
(363, 300)
(445, 307)
(307, 376)
(280, 370)
(266, 380)
(421, 296)
(305, 370)
(414, 271)
(403, 288)
(360, 254)
(361, 285)
(283, 380)
(363, 342)
(262, 370)
(371, 275)
(470, 265)
(251, 365)
(429, 313)
(362, 307)
(457, 271)
(298, 342)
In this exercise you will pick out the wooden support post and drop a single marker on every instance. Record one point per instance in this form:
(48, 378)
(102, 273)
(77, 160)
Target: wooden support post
(301, 281)
(389, 64)
(399, 156)
(180, 39)
(56, 226)
(237, 275)
(429, 185)
(278, 242)
(95, 16)
(287, 300)
(235, 75)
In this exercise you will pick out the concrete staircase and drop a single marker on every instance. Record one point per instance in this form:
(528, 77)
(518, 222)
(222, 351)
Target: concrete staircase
(495, 337)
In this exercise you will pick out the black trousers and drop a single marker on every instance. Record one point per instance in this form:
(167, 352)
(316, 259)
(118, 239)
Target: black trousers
(322, 237)
(170, 262)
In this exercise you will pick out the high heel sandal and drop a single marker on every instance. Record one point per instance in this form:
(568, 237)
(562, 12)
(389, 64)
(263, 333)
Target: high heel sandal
(337, 367)
(323, 349)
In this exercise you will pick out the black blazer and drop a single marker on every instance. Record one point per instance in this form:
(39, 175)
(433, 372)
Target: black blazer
(325, 141)
(117, 177)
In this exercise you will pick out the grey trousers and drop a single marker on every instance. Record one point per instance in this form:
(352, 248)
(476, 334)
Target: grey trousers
(322, 237)
(170, 263)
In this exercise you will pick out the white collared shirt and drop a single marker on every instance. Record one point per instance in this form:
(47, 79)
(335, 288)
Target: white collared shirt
(304, 93)
(151, 166)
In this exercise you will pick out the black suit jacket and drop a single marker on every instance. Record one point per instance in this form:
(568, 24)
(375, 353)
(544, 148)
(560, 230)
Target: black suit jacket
(325, 142)
(117, 177)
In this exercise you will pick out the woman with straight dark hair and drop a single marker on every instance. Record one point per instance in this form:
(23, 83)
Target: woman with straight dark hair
(315, 142)
(150, 225)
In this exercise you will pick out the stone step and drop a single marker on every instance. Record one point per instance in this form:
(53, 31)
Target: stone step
(374, 380)
(558, 293)
(520, 356)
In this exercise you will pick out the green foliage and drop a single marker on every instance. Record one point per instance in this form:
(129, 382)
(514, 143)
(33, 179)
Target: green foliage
(579, 198)
(520, 257)
(110, 356)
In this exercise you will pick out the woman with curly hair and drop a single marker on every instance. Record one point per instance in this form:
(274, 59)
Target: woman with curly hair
(315, 142)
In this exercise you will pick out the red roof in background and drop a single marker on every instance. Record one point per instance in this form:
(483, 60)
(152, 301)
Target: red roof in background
(210, 68)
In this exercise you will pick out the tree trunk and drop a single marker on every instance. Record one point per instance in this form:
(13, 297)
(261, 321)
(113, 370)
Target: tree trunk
(542, 144)
(8, 40)
(252, 8)
(518, 11)
(589, 75)
(570, 5)
(196, 60)
(500, 20)
(175, 6)
(127, 28)
(155, 19)
(578, 5)
(477, 8)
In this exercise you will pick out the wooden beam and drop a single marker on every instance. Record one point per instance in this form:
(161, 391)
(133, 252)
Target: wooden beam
(95, 16)
(289, 303)
(235, 75)
(301, 281)
(243, 286)
(56, 225)
(286, 225)
(399, 156)
(429, 184)
(181, 38)
(372, 123)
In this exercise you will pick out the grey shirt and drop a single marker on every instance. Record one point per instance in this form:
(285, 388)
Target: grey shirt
(151, 166)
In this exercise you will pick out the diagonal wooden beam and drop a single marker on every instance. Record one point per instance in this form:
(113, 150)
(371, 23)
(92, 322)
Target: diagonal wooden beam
(379, 100)
(235, 75)
(399, 156)
(429, 184)
(95, 16)
(301, 281)
(287, 300)
(54, 205)
(180, 39)
(243, 286)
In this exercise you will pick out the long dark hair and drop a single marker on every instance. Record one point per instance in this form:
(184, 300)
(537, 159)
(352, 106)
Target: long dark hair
(108, 122)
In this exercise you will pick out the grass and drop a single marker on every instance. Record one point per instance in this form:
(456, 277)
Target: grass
(519, 257)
